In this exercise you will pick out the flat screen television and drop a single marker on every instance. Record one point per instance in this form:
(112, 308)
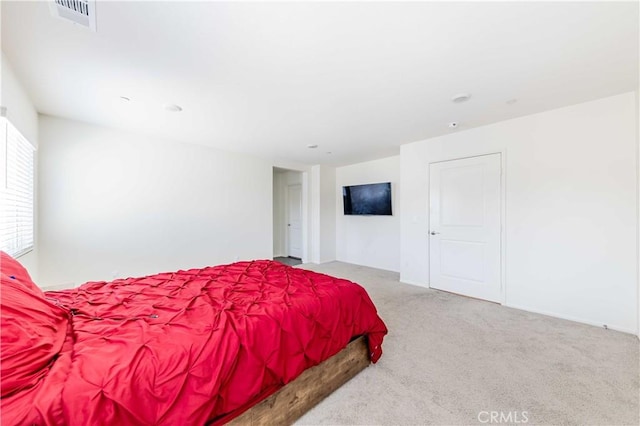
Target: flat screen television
(371, 199)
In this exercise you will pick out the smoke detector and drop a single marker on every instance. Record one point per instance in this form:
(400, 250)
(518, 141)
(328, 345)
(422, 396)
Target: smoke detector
(80, 12)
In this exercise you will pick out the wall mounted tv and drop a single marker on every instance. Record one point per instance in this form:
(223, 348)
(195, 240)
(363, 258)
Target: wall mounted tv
(371, 199)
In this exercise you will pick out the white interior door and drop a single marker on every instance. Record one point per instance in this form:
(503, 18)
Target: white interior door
(294, 221)
(465, 222)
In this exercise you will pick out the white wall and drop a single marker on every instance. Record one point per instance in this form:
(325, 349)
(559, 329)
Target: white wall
(20, 109)
(571, 217)
(281, 181)
(369, 240)
(22, 114)
(116, 203)
(327, 214)
(638, 175)
(323, 216)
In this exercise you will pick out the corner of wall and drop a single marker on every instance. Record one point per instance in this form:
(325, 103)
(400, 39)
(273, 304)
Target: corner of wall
(372, 241)
(322, 215)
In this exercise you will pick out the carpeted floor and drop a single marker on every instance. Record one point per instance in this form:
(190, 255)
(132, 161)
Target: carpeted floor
(453, 360)
(291, 261)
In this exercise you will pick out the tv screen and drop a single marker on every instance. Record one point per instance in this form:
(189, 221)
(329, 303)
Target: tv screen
(371, 199)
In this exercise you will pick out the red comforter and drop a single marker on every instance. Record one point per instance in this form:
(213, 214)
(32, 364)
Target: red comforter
(183, 348)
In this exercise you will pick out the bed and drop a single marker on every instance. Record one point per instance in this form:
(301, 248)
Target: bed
(239, 343)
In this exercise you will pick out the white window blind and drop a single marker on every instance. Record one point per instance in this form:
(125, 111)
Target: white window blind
(16, 191)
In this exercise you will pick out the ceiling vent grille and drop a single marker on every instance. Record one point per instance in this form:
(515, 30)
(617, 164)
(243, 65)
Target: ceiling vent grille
(80, 12)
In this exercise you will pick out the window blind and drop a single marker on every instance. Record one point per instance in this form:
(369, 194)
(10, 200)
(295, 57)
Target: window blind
(16, 191)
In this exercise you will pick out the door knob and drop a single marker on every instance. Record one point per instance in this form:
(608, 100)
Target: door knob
(434, 233)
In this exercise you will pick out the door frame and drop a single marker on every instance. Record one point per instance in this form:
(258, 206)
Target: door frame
(503, 212)
(286, 219)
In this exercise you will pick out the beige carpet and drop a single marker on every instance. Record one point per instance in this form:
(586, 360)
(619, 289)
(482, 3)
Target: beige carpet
(448, 358)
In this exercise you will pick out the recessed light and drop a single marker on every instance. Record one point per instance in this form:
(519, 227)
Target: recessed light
(172, 107)
(125, 98)
(312, 146)
(511, 101)
(460, 97)
(454, 125)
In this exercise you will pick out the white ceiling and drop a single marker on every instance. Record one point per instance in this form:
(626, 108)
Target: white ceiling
(358, 79)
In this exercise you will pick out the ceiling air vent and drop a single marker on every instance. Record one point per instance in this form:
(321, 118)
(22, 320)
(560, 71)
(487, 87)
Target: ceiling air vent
(80, 12)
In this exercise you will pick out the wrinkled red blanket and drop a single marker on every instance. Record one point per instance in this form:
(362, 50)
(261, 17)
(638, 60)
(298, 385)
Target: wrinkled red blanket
(182, 348)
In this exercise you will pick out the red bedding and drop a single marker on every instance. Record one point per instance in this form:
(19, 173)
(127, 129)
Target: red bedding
(183, 348)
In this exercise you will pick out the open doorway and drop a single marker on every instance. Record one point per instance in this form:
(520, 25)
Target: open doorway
(288, 216)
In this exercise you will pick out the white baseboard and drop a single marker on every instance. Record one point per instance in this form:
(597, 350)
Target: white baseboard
(549, 314)
(58, 287)
(414, 283)
(574, 319)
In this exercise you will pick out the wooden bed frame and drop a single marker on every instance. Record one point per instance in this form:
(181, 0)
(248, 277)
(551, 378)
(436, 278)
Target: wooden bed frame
(312, 386)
